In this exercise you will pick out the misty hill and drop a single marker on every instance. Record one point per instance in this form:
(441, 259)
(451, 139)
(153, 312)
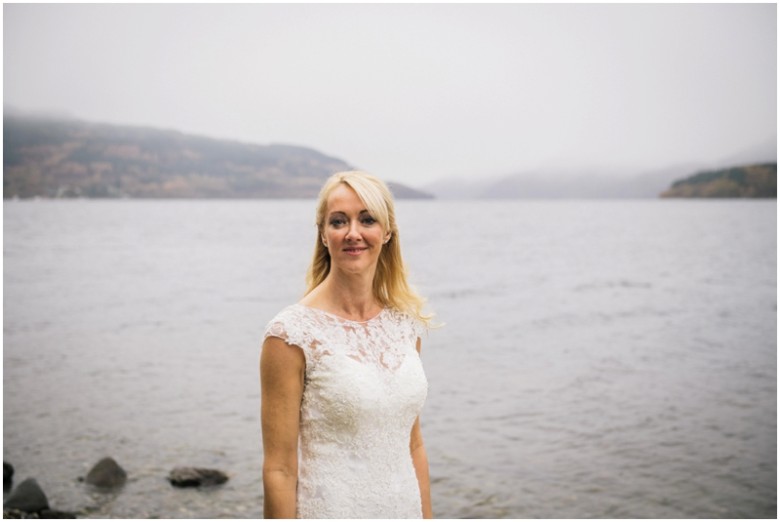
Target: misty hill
(594, 183)
(57, 157)
(562, 184)
(751, 181)
(582, 184)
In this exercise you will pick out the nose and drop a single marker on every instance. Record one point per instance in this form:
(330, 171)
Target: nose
(353, 234)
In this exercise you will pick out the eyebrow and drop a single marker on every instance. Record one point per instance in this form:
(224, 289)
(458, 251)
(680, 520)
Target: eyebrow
(364, 211)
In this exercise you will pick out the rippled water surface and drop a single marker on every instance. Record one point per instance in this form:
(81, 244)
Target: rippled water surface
(599, 359)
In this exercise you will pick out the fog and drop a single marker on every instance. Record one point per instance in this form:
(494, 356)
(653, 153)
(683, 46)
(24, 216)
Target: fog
(415, 92)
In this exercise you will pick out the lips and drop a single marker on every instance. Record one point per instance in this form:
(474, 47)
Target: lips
(354, 251)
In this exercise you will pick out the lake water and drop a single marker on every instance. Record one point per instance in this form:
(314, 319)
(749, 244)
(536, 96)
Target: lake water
(600, 358)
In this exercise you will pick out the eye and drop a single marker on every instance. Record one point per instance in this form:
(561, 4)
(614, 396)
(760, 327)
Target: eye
(337, 221)
(367, 220)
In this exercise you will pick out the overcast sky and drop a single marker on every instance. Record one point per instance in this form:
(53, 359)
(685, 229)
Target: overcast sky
(413, 92)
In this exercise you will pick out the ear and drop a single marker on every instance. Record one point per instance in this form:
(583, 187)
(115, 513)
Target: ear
(387, 236)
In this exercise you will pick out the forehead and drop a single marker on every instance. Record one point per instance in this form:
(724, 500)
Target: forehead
(344, 199)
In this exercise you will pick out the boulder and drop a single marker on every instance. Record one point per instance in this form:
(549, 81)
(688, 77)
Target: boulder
(28, 497)
(53, 513)
(193, 477)
(45, 514)
(106, 474)
(8, 476)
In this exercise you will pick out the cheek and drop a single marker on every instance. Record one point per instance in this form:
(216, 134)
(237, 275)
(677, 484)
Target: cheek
(331, 234)
(378, 237)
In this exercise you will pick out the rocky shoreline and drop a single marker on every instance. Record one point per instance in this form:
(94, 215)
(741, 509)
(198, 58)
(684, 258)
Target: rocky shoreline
(28, 500)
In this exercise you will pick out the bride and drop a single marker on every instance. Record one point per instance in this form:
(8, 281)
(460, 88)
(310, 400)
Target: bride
(341, 377)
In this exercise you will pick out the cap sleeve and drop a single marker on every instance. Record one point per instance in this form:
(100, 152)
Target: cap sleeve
(419, 329)
(287, 327)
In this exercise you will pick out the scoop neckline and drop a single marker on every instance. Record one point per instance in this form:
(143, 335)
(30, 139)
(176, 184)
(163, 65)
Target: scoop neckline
(344, 319)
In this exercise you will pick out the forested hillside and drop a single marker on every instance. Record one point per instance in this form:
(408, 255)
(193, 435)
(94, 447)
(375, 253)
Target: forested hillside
(751, 181)
(56, 158)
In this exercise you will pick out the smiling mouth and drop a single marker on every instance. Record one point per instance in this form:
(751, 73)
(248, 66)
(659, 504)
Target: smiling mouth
(354, 251)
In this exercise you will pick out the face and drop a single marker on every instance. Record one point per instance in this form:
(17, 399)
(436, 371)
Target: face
(352, 236)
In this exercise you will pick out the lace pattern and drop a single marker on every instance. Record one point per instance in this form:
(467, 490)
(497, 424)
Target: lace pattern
(364, 387)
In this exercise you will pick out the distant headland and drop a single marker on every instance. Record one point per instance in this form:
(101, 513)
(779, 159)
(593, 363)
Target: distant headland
(750, 181)
(47, 157)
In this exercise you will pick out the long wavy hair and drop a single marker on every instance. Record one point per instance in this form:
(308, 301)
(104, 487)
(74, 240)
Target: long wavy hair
(390, 286)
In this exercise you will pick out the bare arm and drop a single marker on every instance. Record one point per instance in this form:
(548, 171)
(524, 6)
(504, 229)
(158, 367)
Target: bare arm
(281, 380)
(420, 461)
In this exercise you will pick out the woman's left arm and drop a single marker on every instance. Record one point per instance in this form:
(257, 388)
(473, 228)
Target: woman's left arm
(420, 461)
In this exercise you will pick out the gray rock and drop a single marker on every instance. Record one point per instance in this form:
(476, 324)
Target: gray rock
(45, 514)
(106, 474)
(28, 497)
(8, 476)
(8, 471)
(53, 513)
(193, 477)
(16, 514)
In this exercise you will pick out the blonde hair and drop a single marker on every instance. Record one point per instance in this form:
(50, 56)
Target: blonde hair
(390, 287)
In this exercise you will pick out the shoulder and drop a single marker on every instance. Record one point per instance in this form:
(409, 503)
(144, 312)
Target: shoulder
(289, 325)
(407, 321)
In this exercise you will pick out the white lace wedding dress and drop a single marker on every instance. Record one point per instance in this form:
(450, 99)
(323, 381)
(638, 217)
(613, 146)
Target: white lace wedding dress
(364, 387)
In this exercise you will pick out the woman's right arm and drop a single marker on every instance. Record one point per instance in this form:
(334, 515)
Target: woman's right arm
(281, 381)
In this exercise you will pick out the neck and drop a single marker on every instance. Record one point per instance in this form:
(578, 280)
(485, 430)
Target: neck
(350, 295)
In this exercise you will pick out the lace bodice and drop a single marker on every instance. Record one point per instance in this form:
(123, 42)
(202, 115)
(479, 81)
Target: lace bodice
(364, 386)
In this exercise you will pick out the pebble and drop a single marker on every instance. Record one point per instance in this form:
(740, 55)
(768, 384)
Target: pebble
(106, 474)
(194, 477)
(28, 497)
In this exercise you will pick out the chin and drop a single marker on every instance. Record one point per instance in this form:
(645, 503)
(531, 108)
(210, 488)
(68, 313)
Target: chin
(357, 266)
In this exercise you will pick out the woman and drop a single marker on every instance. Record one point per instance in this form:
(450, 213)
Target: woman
(341, 377)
